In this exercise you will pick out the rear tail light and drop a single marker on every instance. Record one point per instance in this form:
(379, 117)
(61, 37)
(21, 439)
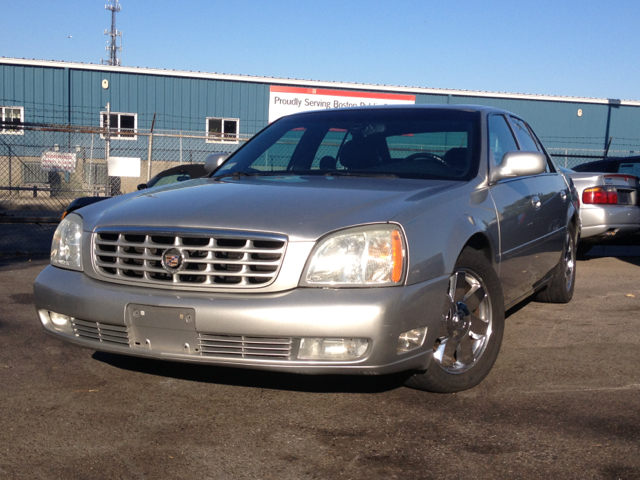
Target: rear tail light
(600, 195)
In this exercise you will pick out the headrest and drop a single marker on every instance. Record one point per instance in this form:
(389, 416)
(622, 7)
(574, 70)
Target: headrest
(328, 163)
(358, 154)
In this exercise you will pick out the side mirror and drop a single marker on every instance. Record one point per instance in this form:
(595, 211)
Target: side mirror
(142, 186)
(214, 160)
(519, 164)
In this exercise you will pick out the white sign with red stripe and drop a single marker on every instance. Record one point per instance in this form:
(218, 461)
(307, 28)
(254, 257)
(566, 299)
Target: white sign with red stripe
(287, 100)
(59, 162)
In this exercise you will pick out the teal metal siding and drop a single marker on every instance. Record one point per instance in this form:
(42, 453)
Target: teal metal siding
(624, 129)
(432, 99)
(75, 95)
(181, 104)
(40, 90)
(556, 123)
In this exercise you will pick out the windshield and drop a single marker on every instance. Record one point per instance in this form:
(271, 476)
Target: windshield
(406, 143)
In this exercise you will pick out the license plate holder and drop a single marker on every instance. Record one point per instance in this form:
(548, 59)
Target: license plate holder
(164, 329)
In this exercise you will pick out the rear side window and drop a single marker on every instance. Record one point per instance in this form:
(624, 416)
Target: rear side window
(436, 143)
(501, 138)
(278, 155)
(525, 137)
(632, 168)
(327, 153)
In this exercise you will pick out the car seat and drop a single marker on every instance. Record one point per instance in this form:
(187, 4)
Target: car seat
(457, 159)
(328, 163)
(358, 154)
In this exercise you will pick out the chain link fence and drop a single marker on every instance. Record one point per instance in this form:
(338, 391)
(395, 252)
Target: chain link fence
(571, 157)
(43, 168)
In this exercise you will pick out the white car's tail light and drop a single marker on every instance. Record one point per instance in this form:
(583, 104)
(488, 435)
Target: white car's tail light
(600, 195)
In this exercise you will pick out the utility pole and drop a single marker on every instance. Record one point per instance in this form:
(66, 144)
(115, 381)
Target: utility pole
(107, 144)
(112, 45)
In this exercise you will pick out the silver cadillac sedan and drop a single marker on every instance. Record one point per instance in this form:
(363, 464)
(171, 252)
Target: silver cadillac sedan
(351, 241)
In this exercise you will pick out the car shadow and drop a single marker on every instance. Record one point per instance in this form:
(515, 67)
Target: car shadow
(21, 262)
(628, 252)
(255, 378)
(518, 306)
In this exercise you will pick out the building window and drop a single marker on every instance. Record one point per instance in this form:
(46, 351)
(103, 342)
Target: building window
(11, 119)
(122, 126)
(222, 130)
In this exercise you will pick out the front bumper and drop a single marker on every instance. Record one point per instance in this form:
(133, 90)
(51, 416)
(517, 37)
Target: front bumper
(178, 323)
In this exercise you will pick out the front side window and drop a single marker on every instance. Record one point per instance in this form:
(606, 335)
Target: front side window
(222, 130)
(122, 126)
(525, 136)
(501, 139)
(11, 119)
(420, 143)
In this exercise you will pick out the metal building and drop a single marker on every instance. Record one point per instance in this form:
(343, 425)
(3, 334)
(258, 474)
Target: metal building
(69, 130)
(226, 108)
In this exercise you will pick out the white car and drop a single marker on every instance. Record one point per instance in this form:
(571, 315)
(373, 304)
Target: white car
(609, 206)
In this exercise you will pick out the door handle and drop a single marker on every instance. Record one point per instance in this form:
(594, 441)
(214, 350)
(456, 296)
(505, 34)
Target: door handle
(563, 195)
(535, 200)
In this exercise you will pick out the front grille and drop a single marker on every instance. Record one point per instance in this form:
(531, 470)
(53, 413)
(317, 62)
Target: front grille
(102, 332)
(244, 347)
(208, 259)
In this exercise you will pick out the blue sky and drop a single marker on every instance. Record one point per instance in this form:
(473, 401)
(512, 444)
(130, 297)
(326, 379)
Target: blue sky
(563, 47)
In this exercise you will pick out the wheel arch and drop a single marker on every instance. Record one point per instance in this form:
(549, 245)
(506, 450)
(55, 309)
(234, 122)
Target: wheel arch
(479, 241)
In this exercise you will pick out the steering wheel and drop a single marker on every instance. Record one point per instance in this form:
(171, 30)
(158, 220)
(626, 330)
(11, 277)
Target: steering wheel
(425, 156)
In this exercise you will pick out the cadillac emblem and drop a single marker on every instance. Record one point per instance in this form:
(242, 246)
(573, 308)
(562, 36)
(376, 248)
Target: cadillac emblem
(173, 260)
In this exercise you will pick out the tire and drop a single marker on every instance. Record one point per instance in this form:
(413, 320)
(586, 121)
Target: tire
(471, 330)
(560, 290)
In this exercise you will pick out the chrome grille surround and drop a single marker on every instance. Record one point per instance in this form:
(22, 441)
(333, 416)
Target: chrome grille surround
(213, 259)
(101, 332)
(245, 347)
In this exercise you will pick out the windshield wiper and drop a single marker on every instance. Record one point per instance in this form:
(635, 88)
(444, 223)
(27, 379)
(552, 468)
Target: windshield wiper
(235, 175)
(343, 173)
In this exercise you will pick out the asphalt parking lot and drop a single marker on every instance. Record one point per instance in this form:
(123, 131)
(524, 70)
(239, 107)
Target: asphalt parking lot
(563, 401)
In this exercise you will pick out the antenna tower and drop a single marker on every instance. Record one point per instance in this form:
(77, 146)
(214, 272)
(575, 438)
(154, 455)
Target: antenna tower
(112, 45)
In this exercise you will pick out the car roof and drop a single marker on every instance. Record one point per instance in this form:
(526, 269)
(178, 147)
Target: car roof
(461, 107)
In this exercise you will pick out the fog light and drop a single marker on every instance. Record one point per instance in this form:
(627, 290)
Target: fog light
(332, 348)
(411, 340)
(58, 319)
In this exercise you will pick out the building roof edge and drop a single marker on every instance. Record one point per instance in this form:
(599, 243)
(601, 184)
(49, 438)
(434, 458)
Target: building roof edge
(314, 83)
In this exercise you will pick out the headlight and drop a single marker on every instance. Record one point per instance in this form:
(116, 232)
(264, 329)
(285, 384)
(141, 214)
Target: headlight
(373, 255)
(66, 247)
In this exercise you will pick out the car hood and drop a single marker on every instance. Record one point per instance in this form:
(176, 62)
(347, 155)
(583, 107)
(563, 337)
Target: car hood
(303, 208)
